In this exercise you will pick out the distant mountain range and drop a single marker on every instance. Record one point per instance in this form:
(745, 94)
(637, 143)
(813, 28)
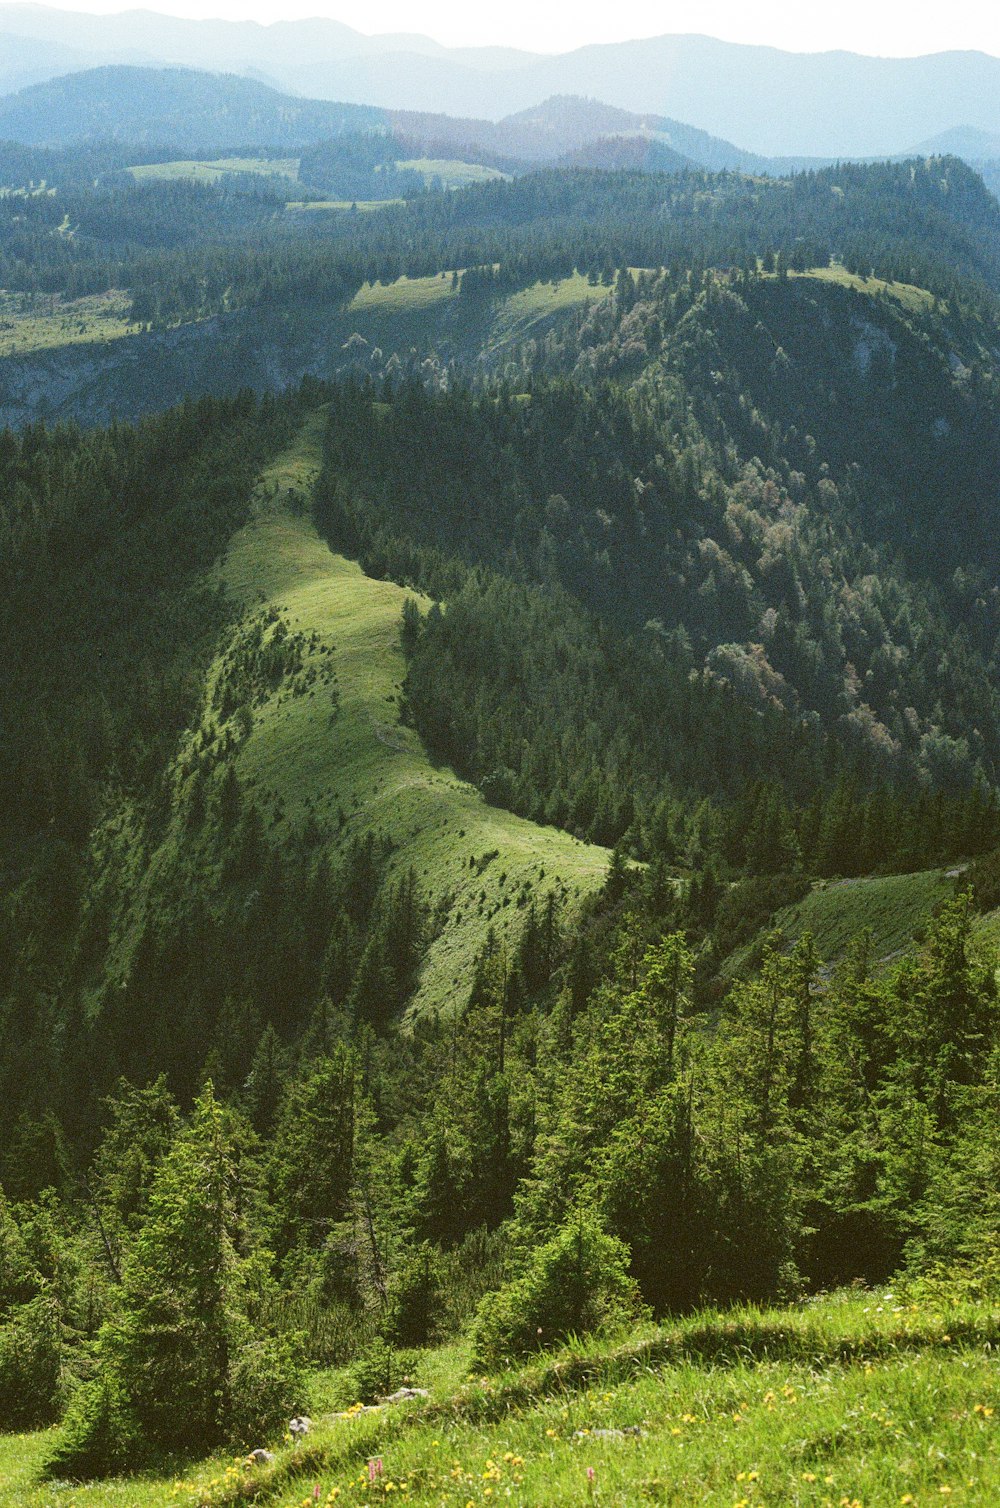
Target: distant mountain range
(198, 112)
(783, 104)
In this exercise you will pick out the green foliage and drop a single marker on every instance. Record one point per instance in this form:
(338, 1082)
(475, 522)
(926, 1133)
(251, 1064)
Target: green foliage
(31, 1365)
(312, 1150)
(100, 1434)
(181, 1365)
(377, 1372)
(576, 1283)
(416, 1299)
(267, 1386)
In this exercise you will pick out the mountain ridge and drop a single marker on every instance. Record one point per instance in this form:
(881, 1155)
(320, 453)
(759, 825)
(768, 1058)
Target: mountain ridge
(834, 103)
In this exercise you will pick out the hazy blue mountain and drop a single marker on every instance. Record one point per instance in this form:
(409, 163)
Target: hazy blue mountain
(962, 141)
(25, 60)
(772, 102)
(178, 106)
(188, 108)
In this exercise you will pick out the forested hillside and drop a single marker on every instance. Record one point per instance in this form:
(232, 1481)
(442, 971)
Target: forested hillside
(500, 843)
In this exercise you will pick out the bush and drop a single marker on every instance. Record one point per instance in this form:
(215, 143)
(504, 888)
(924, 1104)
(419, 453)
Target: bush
(30, 1368)
(416, 1303)
(577, 1282)
(377, 1372)
(266, 1389)
(100, 1435)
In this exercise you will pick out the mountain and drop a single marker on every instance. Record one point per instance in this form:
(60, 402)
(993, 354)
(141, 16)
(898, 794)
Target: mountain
(182, 107)
(962, 141)
(483, 724)
(25, 61)
(832, 104)
(185, 108)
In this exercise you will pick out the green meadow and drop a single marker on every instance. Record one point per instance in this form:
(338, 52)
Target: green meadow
(911, 297)
(891, 907)
(853, 1400)
(44, 322)
(212, 171)
(361, 769)
(449, 172)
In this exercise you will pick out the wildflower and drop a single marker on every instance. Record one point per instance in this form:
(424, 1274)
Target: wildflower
(316, 1493)
(551, 1433)
(375, 1469)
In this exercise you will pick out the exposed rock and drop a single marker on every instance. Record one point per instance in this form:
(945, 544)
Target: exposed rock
(627, 1432)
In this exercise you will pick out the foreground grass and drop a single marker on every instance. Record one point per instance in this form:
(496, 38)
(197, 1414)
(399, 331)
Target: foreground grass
(855, 1399)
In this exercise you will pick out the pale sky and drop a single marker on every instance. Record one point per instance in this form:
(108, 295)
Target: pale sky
(892, 27)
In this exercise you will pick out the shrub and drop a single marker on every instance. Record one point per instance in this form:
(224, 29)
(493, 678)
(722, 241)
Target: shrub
(30, 1368)
(377, 1372)
(577, 1282)
(416, 1303)
(100, 1434)
(266, 1389)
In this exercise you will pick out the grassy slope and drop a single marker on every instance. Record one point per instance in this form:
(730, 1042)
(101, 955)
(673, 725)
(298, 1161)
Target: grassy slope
(429, 312)
(48, 322)
(451, 172)
(908, 294)
(856, 1399)
(364, 761)
(212, 171)
(426, 312)
(891, 907)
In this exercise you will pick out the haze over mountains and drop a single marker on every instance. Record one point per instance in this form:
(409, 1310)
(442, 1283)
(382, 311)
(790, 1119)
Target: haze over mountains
(198, 111)
(831, 104)
(193, 111)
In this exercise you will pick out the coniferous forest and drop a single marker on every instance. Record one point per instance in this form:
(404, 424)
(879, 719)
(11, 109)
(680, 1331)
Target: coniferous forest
(500, 839)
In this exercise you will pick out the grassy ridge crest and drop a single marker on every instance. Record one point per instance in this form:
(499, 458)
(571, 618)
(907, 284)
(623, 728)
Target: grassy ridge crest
(475, 864)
